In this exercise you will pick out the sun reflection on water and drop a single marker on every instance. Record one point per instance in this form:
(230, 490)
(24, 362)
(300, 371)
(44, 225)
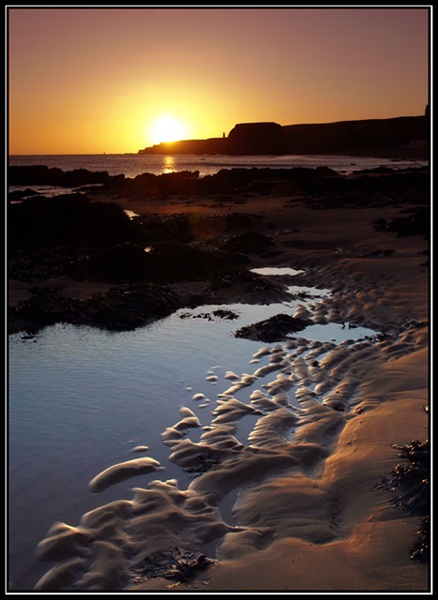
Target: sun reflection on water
(168, 164)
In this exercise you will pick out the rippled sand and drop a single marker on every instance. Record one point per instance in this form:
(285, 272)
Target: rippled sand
(307, 512)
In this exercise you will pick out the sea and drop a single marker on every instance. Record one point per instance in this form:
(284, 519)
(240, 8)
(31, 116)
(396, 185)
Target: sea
(132, 165)
(80, 399)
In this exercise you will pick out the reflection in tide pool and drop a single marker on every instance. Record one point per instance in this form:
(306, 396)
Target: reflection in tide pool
(276, 271)
(80, 399)
(131, 214)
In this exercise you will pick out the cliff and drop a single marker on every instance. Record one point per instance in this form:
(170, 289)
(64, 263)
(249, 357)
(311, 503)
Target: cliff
(256, 138)
(408, 133)
(355, 135)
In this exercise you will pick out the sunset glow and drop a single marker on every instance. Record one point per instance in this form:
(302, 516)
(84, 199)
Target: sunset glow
(168, 128)
(115, 80)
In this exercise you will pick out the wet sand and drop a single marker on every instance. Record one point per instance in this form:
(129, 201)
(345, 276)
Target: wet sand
(310, 513)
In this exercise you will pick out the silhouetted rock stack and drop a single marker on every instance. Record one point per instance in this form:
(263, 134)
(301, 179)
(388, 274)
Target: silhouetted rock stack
(256, 138)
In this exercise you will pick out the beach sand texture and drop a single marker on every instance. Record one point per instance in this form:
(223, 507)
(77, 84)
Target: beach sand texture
(309, 512)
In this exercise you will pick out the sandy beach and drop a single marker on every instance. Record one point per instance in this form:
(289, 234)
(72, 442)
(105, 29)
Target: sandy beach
(311, 513)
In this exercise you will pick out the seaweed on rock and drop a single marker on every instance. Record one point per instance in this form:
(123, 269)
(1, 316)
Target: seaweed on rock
(410, 482)
(273, 329)
(176, 564)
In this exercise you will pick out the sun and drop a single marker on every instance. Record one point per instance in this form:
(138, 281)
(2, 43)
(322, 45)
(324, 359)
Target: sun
(168, 128)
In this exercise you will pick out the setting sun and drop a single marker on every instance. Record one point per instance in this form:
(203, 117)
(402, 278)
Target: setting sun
(168, 128)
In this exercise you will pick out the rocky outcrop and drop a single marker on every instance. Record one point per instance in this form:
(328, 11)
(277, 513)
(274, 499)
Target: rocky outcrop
(354, 135)
(122, 308)
(274, 329)
(43, 175)
(368, 135)
(256, 138)
(156, 263)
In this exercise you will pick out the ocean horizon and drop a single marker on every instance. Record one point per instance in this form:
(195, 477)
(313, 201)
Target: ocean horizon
(132, 165)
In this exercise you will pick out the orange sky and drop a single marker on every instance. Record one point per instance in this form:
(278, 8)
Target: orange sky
(93, 80)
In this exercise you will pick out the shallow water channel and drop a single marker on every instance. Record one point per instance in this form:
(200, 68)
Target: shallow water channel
(80, 399)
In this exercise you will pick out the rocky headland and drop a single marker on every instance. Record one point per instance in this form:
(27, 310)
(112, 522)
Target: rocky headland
(398, 137)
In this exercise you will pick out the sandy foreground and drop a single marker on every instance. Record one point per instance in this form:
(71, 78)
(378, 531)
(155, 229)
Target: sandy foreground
(311, 514)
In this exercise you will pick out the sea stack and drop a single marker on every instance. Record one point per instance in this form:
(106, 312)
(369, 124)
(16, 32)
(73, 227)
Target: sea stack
(256, 138)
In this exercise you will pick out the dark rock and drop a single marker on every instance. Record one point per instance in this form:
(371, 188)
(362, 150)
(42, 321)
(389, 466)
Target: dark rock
(68, 220)
(122, 263)
(186, 228)
(235, 275)
(43, 175)
(181, 262)
(256, 138)
(416, 222)
(362, 137)
(45, 307)
(182, 182)
(167, 228)
(320, 138)
(127, 307)
(123, 308)
(249, 242)
(18, 195)
(272, 330)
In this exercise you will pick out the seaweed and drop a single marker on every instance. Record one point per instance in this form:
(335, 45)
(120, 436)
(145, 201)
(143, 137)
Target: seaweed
(273, 329)
(411, 485)
(177, 564)
(205, 464)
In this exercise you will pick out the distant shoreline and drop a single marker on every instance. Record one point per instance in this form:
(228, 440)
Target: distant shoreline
(397, 135)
